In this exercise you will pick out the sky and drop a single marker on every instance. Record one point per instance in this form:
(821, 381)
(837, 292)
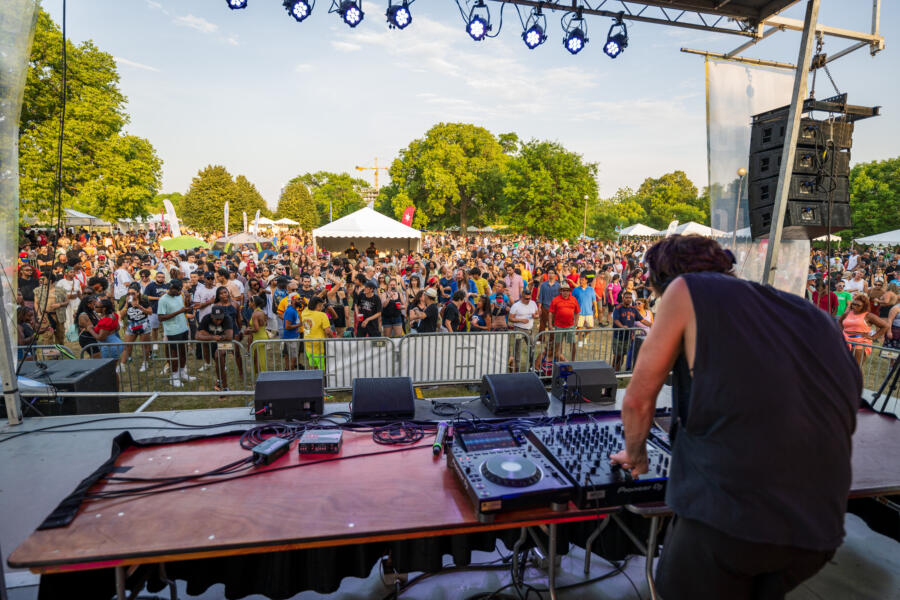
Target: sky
(270, 98)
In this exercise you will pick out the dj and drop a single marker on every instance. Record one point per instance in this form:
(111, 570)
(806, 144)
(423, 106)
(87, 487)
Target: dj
(764, 403)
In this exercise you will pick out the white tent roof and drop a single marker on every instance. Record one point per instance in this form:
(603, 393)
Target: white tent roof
(367, 223)
(824, 238)
(694, 228)
(888, 238)
(283, 221)
(364, 226)
(638, 229)
(74, 217)
(266, 221)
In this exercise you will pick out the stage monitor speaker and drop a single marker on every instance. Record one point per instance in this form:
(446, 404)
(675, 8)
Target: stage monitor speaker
(289, 394)
(383, 397)
(84, 375)
(596, 378)
(513, 392)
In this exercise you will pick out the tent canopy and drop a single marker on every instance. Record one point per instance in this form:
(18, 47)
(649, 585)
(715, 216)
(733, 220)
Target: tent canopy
(283, 221)
(888, 238)
(825, 238)
(77, 218)
(266, 221)
(638, 229)
(363, 227)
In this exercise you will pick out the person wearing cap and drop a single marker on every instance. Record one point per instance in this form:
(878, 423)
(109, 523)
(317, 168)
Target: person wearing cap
(73, 291)
(587, 302)
(154, 291)
(171, 313)
(563, 310)
(316, 326)
(367, 312)
(547, 291)
(291, 325)
(429, 321)
(215, 328)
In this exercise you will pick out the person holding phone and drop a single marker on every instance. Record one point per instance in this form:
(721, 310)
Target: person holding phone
(134, 311)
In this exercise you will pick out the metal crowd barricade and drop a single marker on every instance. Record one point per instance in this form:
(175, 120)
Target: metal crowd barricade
(618, 347)
(342, 359)
(209, 365)
(875, 368)
(461, 358)
(43, 352)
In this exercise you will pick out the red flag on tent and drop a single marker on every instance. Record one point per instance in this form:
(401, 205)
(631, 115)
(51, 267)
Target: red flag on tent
(408, 215)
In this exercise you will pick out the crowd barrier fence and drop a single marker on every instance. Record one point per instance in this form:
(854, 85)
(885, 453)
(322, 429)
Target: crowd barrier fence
(618, 347)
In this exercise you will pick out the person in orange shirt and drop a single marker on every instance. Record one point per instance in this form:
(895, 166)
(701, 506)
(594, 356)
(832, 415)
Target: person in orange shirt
(563, 310)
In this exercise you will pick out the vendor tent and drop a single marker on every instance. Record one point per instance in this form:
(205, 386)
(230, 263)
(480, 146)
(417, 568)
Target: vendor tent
(363, 227)
(637, 230)
(266, 222)
(825, 238)
(283, 221)
(888, 238)
(238, 240)
(75, 218)
(694, 228)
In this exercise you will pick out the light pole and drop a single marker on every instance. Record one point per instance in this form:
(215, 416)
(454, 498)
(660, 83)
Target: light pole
(584, 227)
(742, 172)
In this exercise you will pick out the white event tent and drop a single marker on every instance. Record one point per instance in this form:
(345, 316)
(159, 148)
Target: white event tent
(888, 238)
(694, 228)
(76, 218)
(637, 230)
(364, 226)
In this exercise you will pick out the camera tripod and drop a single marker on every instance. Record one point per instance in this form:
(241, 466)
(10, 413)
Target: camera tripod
(890, 382)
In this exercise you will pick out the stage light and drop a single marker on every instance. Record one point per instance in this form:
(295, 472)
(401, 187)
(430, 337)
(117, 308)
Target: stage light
(576, 32)
(535, 26)
(299, 9)
(236, 4)
(351, 13)
(616, 39)
(575, 40)
(479, 21)
(398, 15)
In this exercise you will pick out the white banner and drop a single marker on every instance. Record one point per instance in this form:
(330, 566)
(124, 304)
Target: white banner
(226, 218)
(172, 218)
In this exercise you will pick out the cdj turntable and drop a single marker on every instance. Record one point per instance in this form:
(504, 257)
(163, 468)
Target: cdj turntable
(581, 452)
(500, 471)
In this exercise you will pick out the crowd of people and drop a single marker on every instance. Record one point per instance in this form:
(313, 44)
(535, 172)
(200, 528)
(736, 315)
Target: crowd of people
(102, 291)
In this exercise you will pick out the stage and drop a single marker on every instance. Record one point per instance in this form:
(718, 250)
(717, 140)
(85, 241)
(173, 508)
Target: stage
(867, 565)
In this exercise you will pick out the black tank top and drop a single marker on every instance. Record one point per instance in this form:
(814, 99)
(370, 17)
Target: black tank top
(762, 444)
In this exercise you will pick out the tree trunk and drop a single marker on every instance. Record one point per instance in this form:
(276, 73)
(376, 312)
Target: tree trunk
(463, 215)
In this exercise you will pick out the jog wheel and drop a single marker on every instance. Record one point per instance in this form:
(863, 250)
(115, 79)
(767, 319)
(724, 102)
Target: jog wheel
(514, 471)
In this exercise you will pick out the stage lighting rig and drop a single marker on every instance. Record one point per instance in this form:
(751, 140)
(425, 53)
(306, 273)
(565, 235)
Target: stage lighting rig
(299, 9)
(236, 4)
(616, 39)
(575, 31)
(535, 29)
(351, 12)
(398, 15)
(479, 22)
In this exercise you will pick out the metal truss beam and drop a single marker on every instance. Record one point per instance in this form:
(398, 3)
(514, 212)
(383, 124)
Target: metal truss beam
(873, 39)
(752, 61)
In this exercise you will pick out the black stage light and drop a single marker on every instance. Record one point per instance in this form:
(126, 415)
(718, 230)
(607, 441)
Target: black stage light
(351, 12)
(535, 28)
(616, 39)
(398, 15)
(236, 4)
(576, 32)
(299, 9)
(479, 21)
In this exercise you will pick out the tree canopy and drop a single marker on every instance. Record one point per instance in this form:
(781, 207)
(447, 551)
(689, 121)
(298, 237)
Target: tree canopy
(296, 203)
(203, 206)
(104, 170)
(334, 193)
(875, 197)
(453, 176)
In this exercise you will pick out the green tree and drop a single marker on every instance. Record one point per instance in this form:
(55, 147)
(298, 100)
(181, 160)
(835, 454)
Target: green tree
(621, 210)
(337, 193)
(546, 187)
(875, 197)
(296, 203)
(246, 199)
(453, 176)
(204, 204)
(672, 196)
(131, 173)
(155, 206)
(94, 146)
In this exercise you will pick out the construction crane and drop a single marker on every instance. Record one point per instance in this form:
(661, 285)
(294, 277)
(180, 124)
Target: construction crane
(376, 168)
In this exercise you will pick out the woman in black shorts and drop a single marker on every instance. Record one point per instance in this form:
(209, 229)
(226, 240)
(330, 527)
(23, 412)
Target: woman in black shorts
(85, 319)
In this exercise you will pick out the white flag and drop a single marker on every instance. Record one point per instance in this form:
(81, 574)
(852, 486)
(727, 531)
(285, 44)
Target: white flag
(172, 218)
(245, 221)
(226, 218)
(256, 223)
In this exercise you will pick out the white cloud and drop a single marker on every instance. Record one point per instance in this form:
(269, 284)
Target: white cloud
(232, 40)
(157, 6)
(130, 63)
(303, 68)
(345, 46)
(198, 23)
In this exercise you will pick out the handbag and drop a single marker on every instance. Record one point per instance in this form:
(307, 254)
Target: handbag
(72, 333)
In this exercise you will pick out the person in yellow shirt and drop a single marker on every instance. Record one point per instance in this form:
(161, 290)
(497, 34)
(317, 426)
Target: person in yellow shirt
(484, 288)
(316, 326)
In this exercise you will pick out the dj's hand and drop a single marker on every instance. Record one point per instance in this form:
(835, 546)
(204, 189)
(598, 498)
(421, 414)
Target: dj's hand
(638, 464)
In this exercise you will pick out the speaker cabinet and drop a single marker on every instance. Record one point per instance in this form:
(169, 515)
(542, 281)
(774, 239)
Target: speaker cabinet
(289, 394)
(596, 378)
(513, 392)
(383, 397)
(86, 375)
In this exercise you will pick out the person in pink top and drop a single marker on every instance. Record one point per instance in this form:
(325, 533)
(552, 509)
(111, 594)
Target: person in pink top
(612, 291)
(857, 323)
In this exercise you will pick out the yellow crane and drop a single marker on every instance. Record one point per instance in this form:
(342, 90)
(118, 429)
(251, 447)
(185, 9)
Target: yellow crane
(375, 168)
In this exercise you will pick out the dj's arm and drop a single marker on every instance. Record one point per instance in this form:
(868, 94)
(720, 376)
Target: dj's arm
(669, 334)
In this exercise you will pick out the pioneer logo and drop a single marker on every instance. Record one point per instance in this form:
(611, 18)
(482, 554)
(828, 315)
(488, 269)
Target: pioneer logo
(656, 487)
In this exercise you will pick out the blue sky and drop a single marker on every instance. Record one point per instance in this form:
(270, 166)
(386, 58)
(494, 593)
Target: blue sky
(270, 98)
